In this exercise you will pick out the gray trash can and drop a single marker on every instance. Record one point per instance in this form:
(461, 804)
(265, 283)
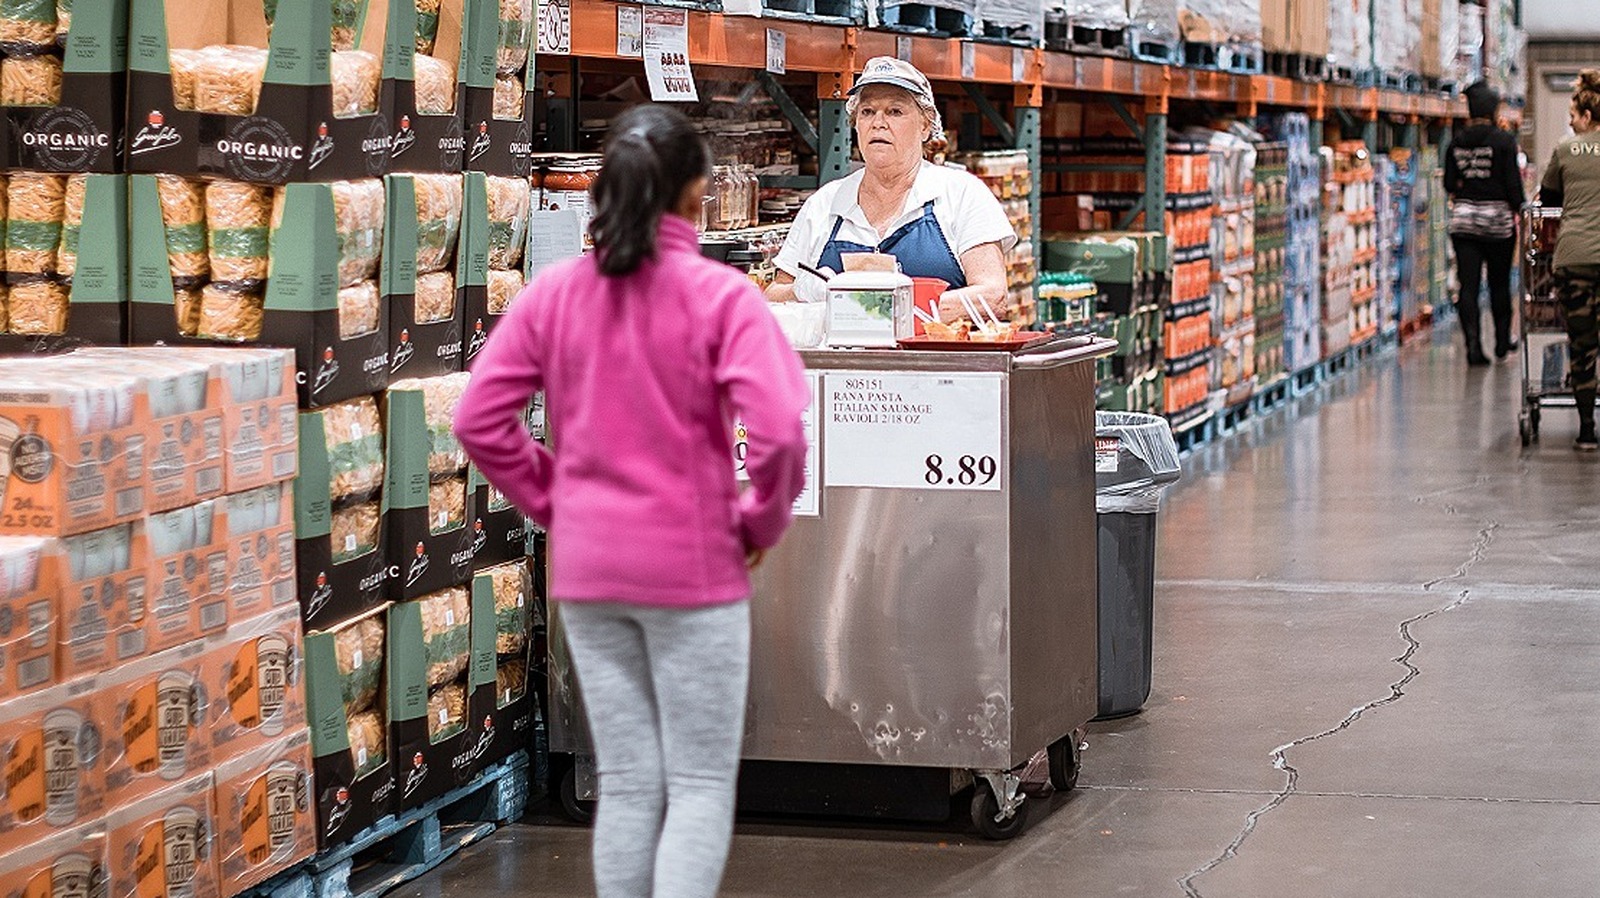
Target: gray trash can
(1135, 460)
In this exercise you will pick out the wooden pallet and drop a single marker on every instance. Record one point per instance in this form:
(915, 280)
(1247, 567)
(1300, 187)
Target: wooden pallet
(398, 849)
(1148, 50)
(921, 18)
(1085, 41)
(830, 12)
(1297, 66)
(1196, 431)
(1238, 59)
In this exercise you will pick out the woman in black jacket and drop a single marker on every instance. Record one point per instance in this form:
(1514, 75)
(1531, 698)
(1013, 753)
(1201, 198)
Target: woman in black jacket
(1485, 187)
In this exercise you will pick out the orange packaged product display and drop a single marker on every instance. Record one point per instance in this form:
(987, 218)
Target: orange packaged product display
(73, 863)
(254, 678)
(154, 720)
(260, 543)
(266, 821)
(188, 574)
(28, 589)
(72, 448)
(103, 599)
(50, 743)
(165, 845)
(260, 415)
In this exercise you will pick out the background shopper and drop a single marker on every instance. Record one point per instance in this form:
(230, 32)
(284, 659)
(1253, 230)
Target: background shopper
(1572, 181)
(643, 349)
(1485, 185)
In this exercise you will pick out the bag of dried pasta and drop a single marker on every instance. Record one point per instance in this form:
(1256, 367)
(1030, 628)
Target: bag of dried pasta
(516, 36)
(30, 79)
(508, 220)
(35, 205)
(186, 305)
(358, 650)
(359, 309)
(441, 396)
(435, 297)
(508, 97)
(447, 505)
(435, 86)
(346, 19)
(63, 21)
(228, 79)
(238, 216)
(231, 312)
(5, 308)
(427, 25)
(38, 307)
(355, 531)
(185, 66)
(438, 220)
(183, 213)
(71, 225)
(510, 681)
(367, 742)
(503, 288)
(355, 74)
(358, 216)
(513, 606)
(447, 712)
(446, 634)
(28, 23)
(354, 436)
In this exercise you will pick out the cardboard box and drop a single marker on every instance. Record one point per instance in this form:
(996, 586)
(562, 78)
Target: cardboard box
(496, 145)
(105, 579)
(29, 584)
(154, 714)
(429, 766)
(54, 766)
(84, 131)
(260, 541)
(1308, 23)
(418, 348)
(430, 548)
(509, 724)
(294, 133)
(166, 844)
(188, 574)
(330, 592)
(71, 448)
(354, 786)
(97, 292)
(426, 142)
(72, 862)
(256, 683)
(499, 531)
(265, 820)
(1276, 33)
(1113, 266)
(472, 275)
(301, 301)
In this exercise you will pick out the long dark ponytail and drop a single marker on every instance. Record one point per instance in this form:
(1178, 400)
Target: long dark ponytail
(652, 154)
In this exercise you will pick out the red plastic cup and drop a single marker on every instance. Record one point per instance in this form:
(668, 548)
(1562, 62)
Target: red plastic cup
(925, 296)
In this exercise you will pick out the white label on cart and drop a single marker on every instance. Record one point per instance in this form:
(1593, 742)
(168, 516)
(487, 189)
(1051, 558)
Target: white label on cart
(807, 504)
(666, 56)
(926, 431)
(777, 52)
(630, 31)
(1106, 450)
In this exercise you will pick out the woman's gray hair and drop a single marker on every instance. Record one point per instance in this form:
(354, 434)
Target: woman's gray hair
(930, 113)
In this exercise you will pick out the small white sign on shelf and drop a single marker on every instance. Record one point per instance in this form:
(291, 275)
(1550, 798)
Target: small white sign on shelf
(777, 52)
(902, 48)
(925, 430)
(1019, 66)
(555, 27)
(666, 56)
(969, 59)
(553, 236)
(630, 31)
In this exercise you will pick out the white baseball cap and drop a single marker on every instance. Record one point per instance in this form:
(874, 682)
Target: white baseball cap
(895, 72)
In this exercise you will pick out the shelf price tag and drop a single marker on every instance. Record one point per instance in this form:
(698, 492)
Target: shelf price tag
(902, 48)
(555, 27)
(630, 31)
(969, 59)
(666, 55)
(808, 503)
(924, 431)
(1019, 66)
(777, 51)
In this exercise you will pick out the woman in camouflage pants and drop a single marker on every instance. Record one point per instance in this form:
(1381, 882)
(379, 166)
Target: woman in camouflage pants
(1572, 182)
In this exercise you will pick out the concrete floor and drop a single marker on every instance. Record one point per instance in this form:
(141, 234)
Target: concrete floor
(1377, 673)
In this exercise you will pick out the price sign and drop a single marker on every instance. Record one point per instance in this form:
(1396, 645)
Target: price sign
(777, 51)
(902, 48)
(555, 27)
(1019, 66)
(666, 56)
(926, 431)
(969, 59)
(1107, 451)
(808, 503)
(630, 31)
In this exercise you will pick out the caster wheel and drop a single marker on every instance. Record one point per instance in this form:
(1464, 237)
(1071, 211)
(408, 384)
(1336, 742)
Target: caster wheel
(1064, 763)
(986, 810)
(1534, 421)
(577, 809)
(1525, 430)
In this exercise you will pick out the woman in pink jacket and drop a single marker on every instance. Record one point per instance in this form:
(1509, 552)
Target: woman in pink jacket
(644, 351)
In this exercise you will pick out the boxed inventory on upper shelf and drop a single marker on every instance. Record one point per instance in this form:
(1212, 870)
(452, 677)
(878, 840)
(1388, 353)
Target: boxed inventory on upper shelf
(66, 258)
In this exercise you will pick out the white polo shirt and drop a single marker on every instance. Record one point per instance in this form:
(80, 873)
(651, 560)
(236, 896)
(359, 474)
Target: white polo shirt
(966, 211)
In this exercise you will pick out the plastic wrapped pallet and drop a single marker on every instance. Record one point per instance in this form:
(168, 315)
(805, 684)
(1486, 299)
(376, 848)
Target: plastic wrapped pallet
(1099, 14)
(1350, 34)
(1154, 21)
(1220, 21)
(30, 79)
(1024, 16)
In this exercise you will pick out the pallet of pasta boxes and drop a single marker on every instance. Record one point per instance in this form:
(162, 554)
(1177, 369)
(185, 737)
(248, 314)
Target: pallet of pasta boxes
(63, 85)
(500, 532)
(510, 590)
(217, 89)
(421, 274)
(499, 108)
(427, 505)
(494, 259)
(66, 260)
(341, 562)
(440, 690)
(345, 683)
(233, 263)
(429, 84)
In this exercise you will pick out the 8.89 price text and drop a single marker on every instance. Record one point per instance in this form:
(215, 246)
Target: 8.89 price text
(968, 470)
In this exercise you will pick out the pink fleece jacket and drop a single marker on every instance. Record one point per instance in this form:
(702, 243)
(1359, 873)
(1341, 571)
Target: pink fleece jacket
(641, 376)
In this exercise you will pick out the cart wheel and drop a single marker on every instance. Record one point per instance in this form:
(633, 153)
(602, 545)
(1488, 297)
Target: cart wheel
(1064, 763)
(1534, 416)
(576, 809)
(986, 814)
(1525, 429)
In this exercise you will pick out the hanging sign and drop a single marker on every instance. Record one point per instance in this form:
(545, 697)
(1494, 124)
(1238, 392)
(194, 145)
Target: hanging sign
(630, 32)
(902, 48)
(666, 55)
(555, 27)
(777, 52)
(927, 431)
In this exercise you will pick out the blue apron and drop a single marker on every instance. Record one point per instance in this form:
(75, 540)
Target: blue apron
(920, 247)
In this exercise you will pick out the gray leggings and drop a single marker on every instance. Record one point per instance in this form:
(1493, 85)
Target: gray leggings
(665, 692)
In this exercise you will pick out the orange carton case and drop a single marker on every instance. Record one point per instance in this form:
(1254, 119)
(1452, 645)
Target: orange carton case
(154, 714)
(254, 677)
(28, 588)
(71, 864)
(164, 845)
(103, 599)
(188, 574)
(260, 540)
(266, 822)
(54, 767)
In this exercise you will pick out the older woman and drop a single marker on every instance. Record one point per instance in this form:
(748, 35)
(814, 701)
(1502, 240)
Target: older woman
(938, 222)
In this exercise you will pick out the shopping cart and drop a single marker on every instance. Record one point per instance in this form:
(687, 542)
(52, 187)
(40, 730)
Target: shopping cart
(1545, 382)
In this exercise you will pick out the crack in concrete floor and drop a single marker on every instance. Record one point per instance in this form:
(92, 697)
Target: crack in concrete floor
(1279, 755)
(1382, 796)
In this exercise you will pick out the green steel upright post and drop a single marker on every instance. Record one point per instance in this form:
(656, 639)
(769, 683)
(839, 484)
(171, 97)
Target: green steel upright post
(1155, 171)
(833, 141)
(1028, 138)
(1369, 135)
(1317, 128)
